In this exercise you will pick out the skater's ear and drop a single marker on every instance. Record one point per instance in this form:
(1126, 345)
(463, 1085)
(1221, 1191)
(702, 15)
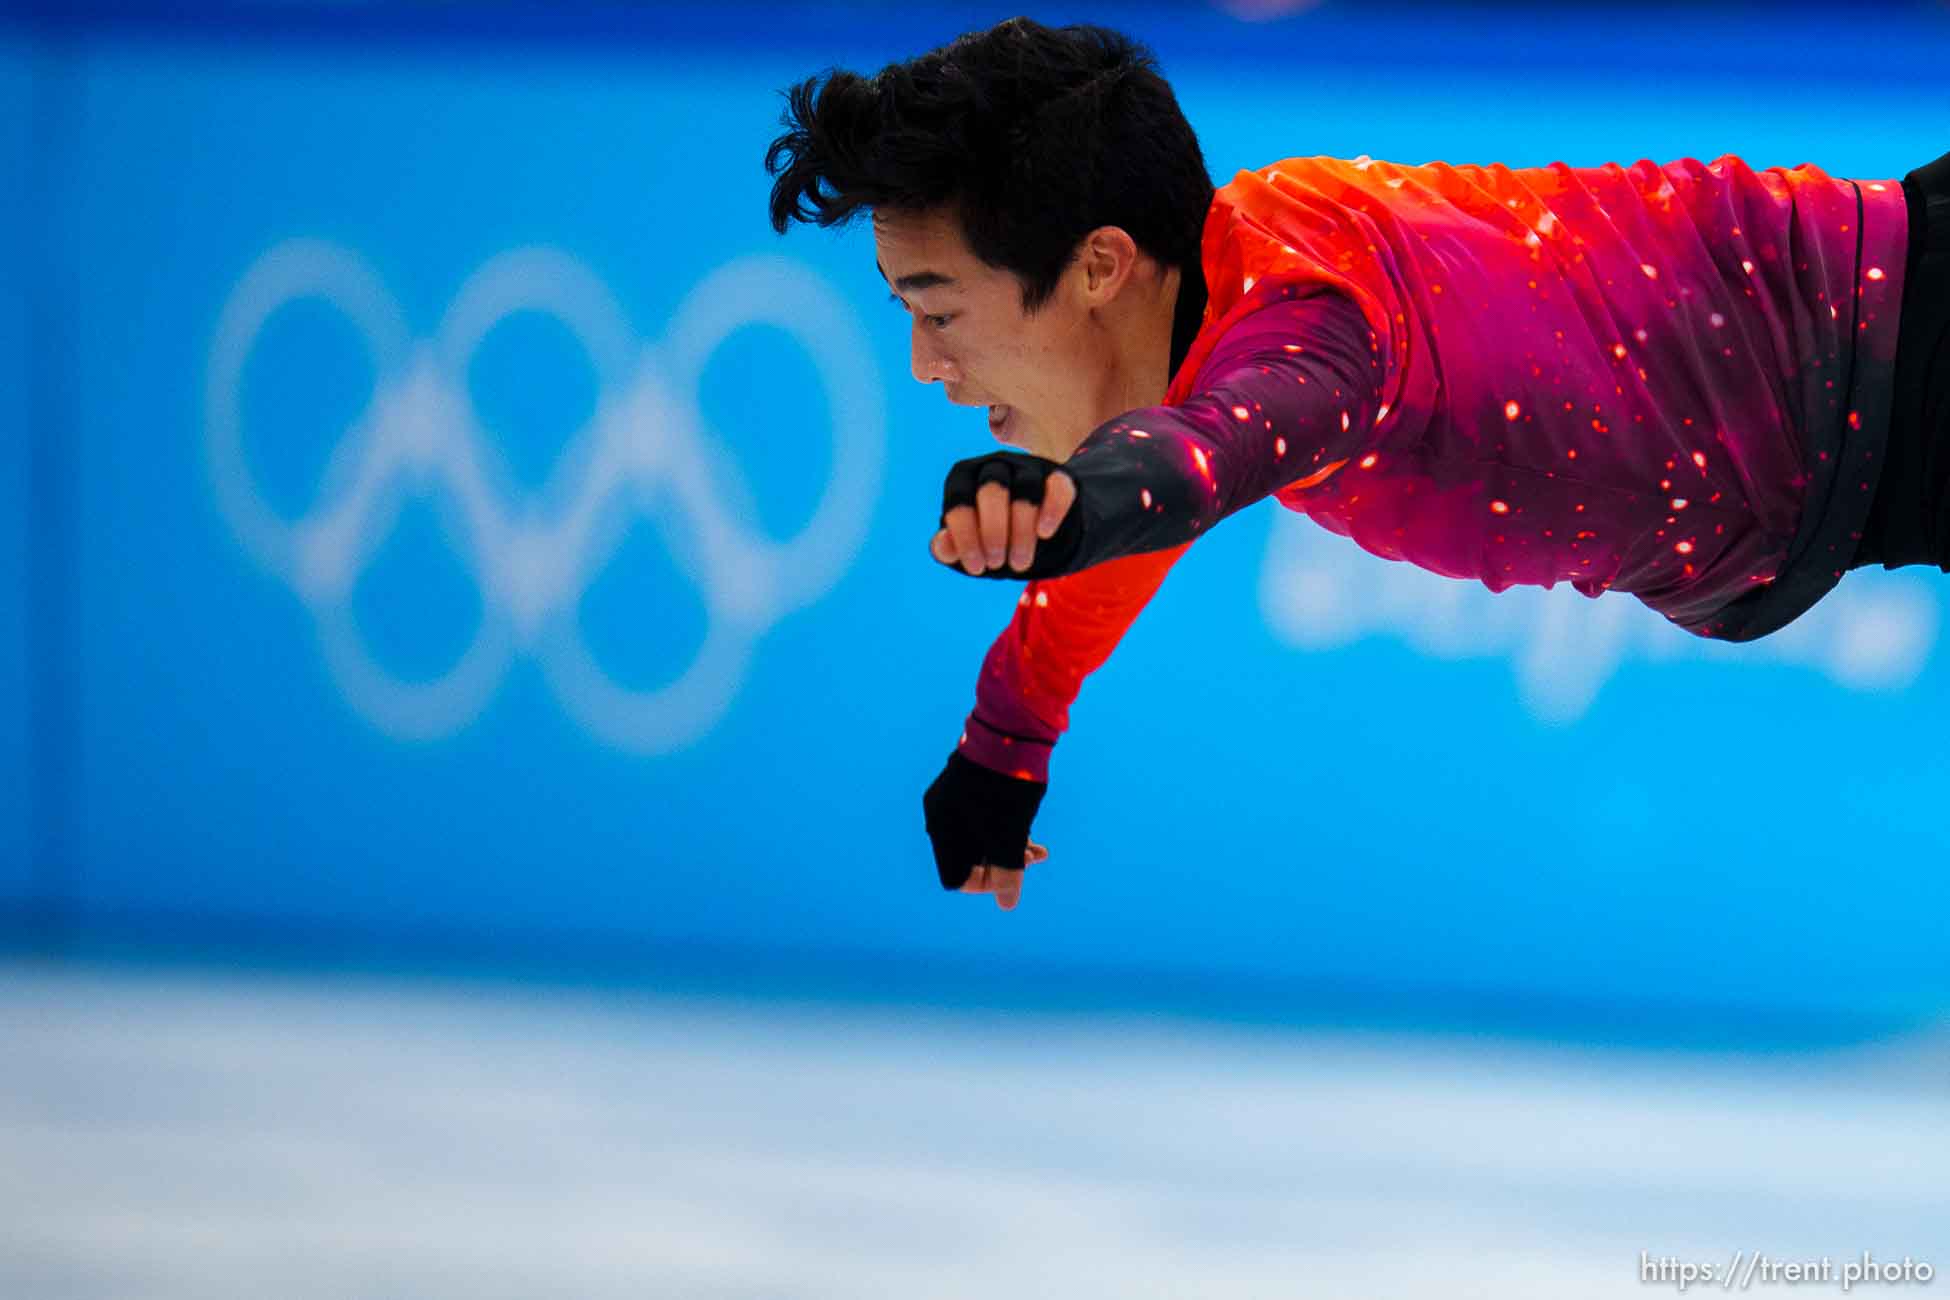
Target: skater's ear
(1106, 261)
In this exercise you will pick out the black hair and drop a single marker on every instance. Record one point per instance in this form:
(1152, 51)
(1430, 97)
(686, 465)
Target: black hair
(1031, 136)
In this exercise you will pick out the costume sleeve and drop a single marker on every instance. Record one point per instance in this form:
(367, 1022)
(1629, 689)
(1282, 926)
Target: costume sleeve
(1062, 631)
(1288, 392)
(1285, 396)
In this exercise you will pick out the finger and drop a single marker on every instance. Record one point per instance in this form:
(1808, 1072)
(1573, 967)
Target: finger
(1059, 494)
(968, 547)
(977, 882)
(942, 546)
(1034, 852)
(992, 503)
(1022, 534)
(1008, 888)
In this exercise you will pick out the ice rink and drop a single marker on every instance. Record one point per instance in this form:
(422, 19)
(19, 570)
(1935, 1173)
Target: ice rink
(176, 1134)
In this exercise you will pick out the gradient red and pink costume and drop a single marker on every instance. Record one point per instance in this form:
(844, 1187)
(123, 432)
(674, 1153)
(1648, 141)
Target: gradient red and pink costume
(1672, 381)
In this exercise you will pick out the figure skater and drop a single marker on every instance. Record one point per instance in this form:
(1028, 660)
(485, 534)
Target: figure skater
(1714, 388)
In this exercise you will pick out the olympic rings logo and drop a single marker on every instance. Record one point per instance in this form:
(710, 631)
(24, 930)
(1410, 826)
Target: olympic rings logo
(532, 559)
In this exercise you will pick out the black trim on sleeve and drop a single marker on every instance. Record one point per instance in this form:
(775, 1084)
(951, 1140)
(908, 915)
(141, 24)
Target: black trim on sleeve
(1012, 735)
(1838, 461)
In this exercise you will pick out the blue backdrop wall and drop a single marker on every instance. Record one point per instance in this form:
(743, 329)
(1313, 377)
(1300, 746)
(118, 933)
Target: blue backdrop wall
(464, 518)
(17, 230)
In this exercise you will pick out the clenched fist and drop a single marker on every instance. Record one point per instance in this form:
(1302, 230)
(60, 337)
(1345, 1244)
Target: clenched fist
(978, 822)
(1000, 507)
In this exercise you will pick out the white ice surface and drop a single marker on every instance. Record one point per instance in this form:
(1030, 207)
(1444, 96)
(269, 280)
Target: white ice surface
(195, 1135)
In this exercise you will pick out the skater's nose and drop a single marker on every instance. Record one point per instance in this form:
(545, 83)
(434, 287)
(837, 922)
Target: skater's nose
(927, 359)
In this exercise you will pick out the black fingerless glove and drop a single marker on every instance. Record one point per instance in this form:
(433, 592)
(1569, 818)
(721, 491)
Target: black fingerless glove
(975, 815)
(1024, 477)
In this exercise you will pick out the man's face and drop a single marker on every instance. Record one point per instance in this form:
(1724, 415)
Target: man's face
(1038, 375)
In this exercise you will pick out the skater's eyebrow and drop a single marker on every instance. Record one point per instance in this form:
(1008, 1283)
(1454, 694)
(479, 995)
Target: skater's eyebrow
(918, 280)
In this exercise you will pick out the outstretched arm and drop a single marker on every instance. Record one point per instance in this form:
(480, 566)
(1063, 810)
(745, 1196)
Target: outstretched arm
(980, 810)
(1287, 396)
(1063, 630)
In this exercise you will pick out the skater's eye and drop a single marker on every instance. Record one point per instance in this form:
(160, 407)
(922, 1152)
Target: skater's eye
(934, 322)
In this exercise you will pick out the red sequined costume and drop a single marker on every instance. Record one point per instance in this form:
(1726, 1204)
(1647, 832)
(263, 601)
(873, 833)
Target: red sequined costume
(1672, 381)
